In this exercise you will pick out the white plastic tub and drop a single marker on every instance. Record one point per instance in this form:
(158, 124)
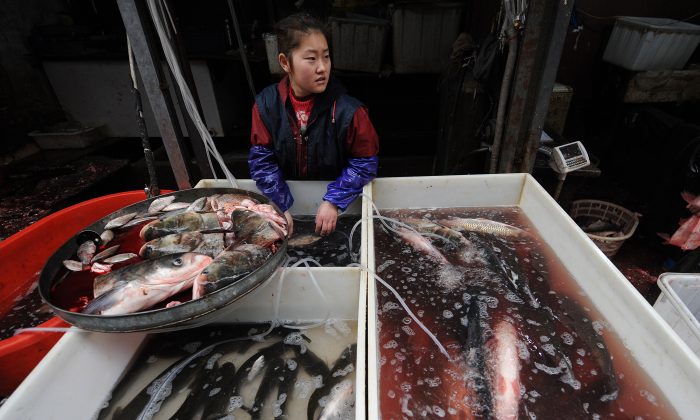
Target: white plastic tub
(657, 350)
(642, 43)
(78, 374)
(679, 305)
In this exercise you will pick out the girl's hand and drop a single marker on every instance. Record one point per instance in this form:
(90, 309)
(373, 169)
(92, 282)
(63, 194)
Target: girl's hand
(290, 223)
(326, 217)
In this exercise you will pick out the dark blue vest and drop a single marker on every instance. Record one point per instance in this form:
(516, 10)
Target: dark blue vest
(326, 132)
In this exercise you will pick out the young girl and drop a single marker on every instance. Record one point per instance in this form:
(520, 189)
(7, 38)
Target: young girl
(306, 127)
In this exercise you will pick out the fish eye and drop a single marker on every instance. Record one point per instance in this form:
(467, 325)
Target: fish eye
(177, 262)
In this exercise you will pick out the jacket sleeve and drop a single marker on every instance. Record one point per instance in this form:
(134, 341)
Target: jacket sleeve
(363, 146)
(345, 189)
(263, 166)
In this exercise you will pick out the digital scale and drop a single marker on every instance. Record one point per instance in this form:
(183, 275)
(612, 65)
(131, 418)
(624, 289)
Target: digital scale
(567, 157)
(564, 159)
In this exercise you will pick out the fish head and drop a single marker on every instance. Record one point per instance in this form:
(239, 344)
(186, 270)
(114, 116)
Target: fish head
(174, 268)
(169, 244)
(239, 216)
(148, 232)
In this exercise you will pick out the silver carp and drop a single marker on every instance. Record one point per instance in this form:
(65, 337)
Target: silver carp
(487, 226)
(183, 222)
(229, 267)
(429, 228)
(142, 285)
(210, 244)
(421, 244)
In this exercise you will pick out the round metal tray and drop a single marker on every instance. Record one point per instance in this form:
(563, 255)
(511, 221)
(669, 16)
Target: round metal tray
(186, 315)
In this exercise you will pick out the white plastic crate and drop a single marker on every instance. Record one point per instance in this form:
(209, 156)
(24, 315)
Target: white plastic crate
(679, 305)
(641, 43)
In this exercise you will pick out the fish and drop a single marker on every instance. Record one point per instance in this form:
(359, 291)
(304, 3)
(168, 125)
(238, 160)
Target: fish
(333, 395)
(202, 388)
(303, 240)
(73, 265)
(421, 244)
(119, 221)
(604, 383)
(160, 203)
(142, 285)
(447, 234)
(176, 206)
(286, 386)
(86, 251)
(101, 268)
(106, 236)
(504, 371)
(478, 322)
(510, 269)
(340, 402)
(105, 254)
(253, 228)
(197, 205)
(273, 371)
(211, 244)
(138, 220)
(228, 202)
(600, 226)
(224, 402)
(120, 258)
(183, 222)
(270, 213)
(229, 267)
(490, 227)
(178, 375)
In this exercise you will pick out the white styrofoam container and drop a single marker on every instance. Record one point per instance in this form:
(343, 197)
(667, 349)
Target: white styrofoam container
(658, 351)
(679, 305)
(642, 43)
(81, 370)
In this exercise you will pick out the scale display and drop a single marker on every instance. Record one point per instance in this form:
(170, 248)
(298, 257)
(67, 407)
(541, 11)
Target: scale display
(569, 157)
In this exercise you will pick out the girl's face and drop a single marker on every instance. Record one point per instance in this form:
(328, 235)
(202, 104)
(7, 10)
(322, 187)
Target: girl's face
(309, 65)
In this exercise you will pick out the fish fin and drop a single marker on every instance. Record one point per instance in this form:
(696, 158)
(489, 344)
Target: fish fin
(102, 302)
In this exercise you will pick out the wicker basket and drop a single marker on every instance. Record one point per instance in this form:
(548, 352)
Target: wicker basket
(592, 210)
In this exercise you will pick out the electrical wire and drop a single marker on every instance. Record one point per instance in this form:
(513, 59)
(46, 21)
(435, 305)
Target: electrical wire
(190, 105)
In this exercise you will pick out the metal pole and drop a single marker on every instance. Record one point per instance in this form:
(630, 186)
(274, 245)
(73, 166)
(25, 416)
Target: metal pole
(135, 18)
(538, 62)
(152, 189)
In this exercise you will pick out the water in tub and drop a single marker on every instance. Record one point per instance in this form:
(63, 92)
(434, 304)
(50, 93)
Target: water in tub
(218, 372)
(329, 251)
(522, 339)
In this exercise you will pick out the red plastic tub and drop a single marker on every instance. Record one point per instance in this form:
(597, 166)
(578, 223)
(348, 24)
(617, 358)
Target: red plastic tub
(22, 257)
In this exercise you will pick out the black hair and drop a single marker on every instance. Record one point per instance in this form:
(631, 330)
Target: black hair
(290, 29)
